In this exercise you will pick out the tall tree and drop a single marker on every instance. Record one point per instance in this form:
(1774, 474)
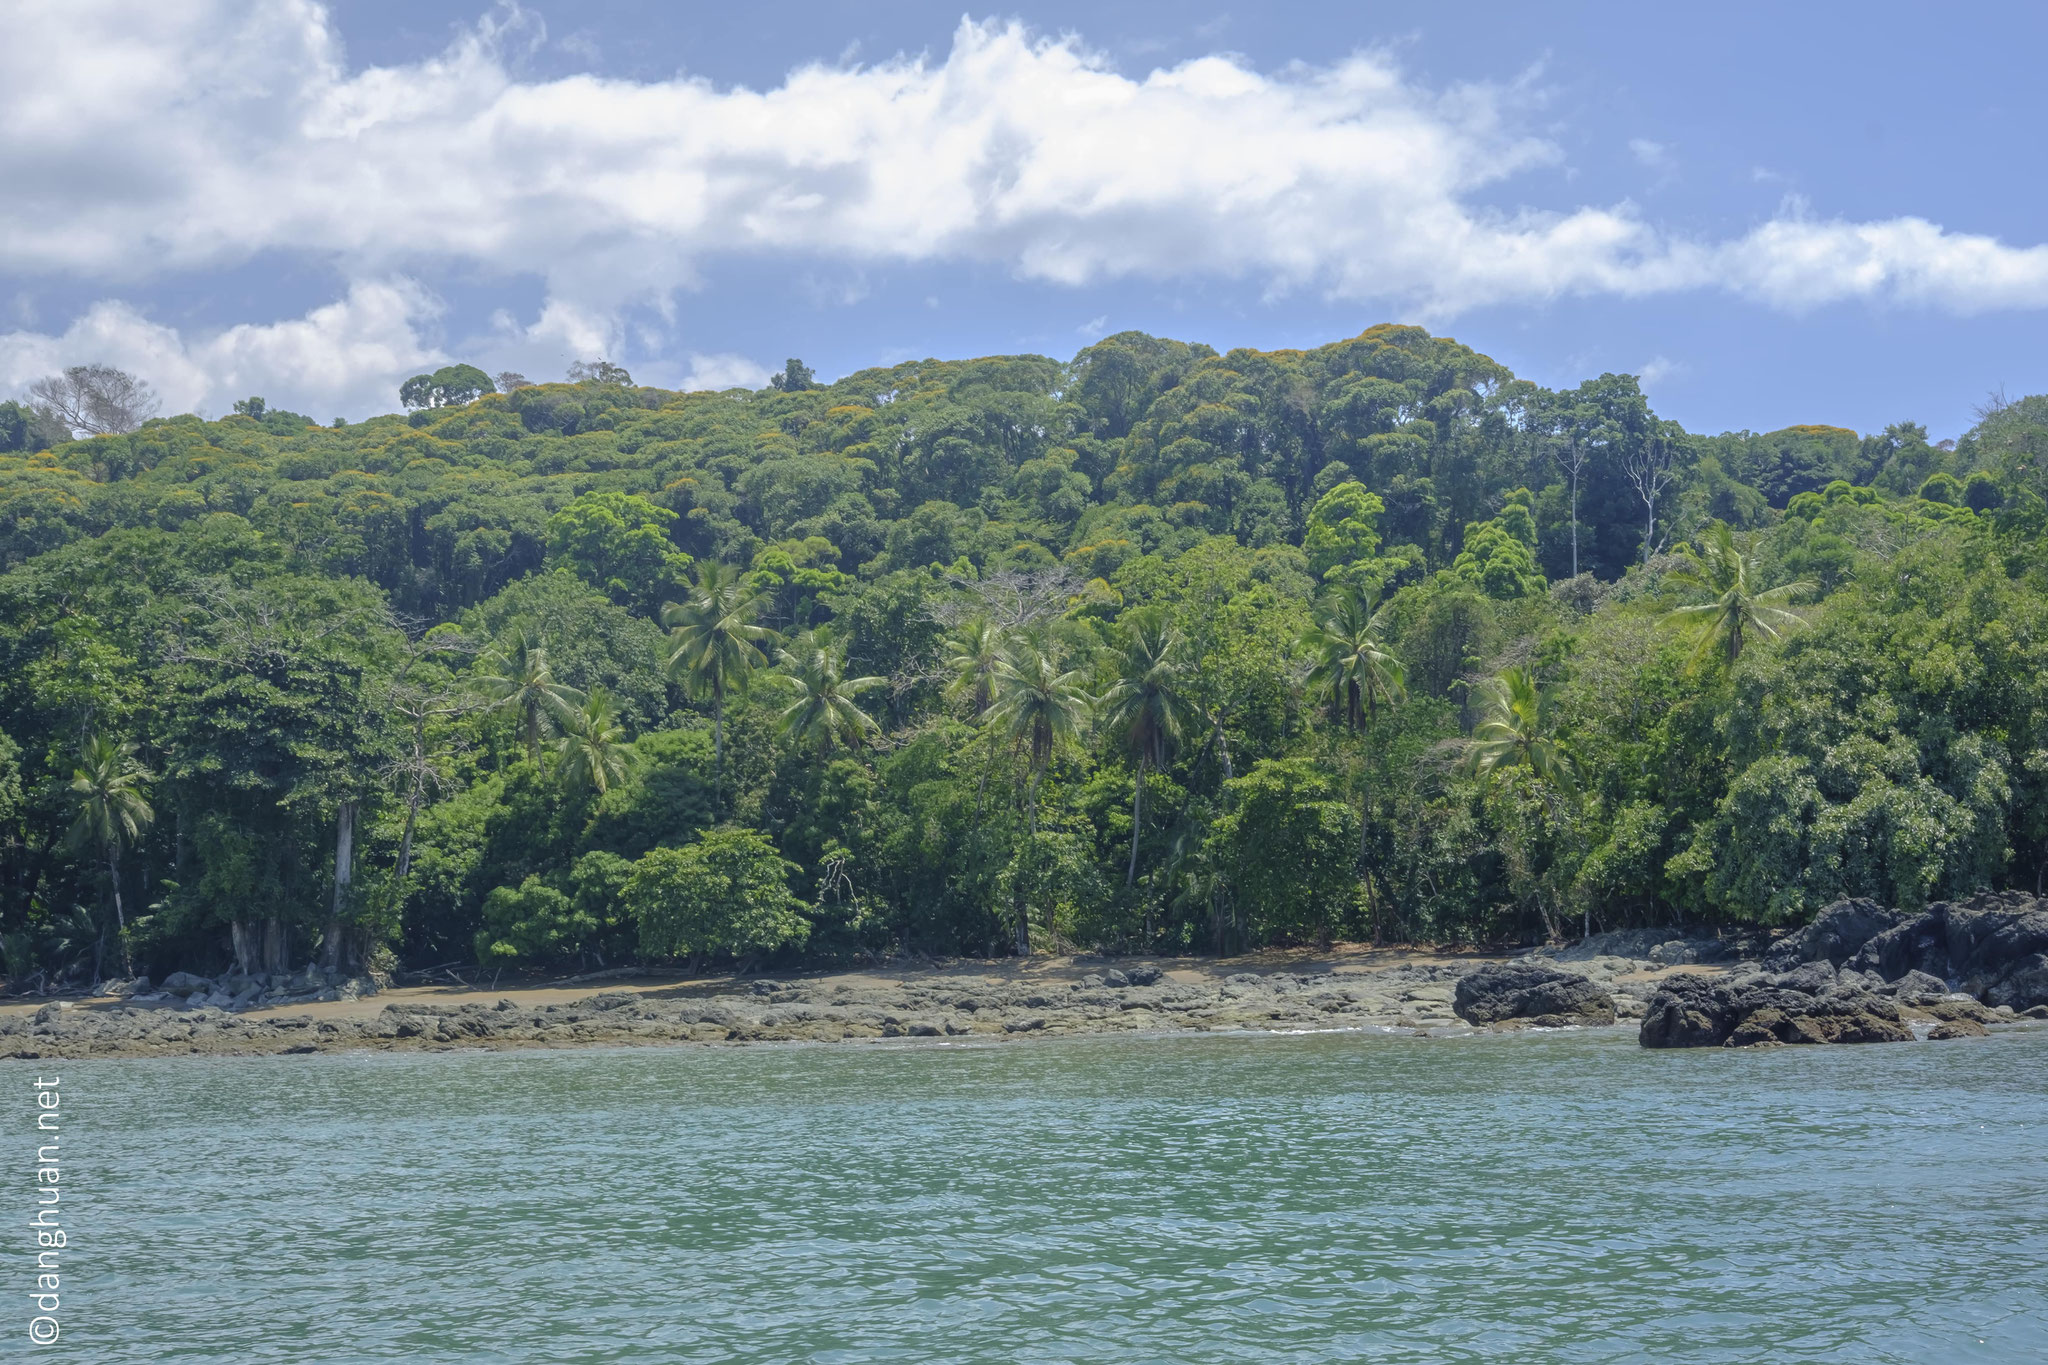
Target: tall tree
(1738, 610)
(1519, 731)
(973, 655)
(715, 645)
(95, 400)
(1650, 465)
(108, 787)
(593, 753)
(519, 678)
(824, 712)
(1354, 672)
(1040, 706)
(1148, 708)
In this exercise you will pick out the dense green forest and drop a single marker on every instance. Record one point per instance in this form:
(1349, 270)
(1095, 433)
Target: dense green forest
(1155, 649)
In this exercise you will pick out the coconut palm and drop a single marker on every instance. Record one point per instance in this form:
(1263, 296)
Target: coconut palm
(1148, 708)
(824, 711)
(1354, 672)
(1738, 611)
(108, 787)
(714, 645)
(520, 680)
(593, 753)
(1041, 707)
(972, 656)
(1518, 732)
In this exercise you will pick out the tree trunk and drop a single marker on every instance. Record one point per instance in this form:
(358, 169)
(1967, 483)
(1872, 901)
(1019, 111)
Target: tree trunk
(1022, 907)
(717, 746)
(120, 919)
(344, 860)
(1137, 824)
(1575, 519)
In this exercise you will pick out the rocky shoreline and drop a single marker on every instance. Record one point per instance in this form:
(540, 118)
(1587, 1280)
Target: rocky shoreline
(1828, 986)
(1147, 997)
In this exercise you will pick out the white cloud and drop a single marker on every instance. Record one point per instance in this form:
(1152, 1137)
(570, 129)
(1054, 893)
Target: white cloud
(140, 138)
(724, 371)
(1658, 368)
(343, 358)
(1655, 155)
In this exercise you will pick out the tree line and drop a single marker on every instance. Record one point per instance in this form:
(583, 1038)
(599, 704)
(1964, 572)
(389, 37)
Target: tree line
(1154, 649)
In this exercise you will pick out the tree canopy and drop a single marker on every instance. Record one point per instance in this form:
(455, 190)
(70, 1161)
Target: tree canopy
(1156, 647)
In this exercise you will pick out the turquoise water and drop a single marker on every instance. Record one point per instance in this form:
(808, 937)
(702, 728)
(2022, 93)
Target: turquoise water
(1561, 1197)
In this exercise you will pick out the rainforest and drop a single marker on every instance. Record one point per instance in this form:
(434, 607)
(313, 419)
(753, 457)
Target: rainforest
(1157, 649)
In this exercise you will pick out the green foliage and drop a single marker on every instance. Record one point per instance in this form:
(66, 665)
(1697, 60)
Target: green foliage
(1499, 556)
(1287, 576)
(1286, 850)
(727, 893)
(619, 544)
(449, 386)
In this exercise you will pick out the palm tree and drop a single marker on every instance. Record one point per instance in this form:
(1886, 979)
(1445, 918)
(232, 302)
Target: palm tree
(1356, 674)
(1737, 611)
(973, 655)
(1041, 707)
(824, 711)
(1354, 671)
(715, 645)
(1517, 733)
(108, 786)
(1147, 708)
(522, 681)
(593, 753)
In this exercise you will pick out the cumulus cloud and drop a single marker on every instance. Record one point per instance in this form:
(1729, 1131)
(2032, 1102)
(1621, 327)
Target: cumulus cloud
(138, 138)
(724, 371)
(337, 359)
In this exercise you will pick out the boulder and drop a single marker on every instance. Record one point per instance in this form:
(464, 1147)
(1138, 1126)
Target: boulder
(1760, 1010)
(184, 983)
(1143, 975)
(1915, 986)
(1533, 991)
(1115, 979)
(1958, 1028)
(1993, 946)
(1835, 936)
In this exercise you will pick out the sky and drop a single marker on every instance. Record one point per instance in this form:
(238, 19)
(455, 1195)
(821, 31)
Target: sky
(1770, 213)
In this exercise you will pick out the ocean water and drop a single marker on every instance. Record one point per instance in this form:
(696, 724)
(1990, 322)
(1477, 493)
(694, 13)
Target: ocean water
(1553, 1197)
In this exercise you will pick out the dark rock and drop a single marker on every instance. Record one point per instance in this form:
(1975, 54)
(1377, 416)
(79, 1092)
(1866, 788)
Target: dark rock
(1916, 985)
(1835, 935)
(1809, 979)
(2037, 1012)
(1143, 975)
(1959, 1028)
(1957, 1008)
(925, 1031)
(1696, 1011)
(1530, 990)
(184, 983)
(1115, 978)
(1023, 1025)
(1994, 946)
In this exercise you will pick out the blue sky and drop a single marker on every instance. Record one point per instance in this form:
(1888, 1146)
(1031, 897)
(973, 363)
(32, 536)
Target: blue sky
(1774, 214)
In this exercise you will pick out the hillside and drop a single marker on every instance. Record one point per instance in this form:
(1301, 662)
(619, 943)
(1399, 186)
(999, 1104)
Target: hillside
(1368, 640)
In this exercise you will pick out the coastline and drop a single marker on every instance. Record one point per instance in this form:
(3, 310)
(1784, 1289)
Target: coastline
(1346, 988)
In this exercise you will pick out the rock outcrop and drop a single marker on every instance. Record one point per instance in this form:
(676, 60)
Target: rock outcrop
(1812, 1004)
(1994, 947)
(1532, 991)
(1835, 936)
